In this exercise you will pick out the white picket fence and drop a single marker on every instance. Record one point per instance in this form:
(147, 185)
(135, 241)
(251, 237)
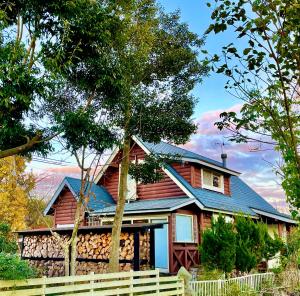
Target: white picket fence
(220, 287)
(132, 283)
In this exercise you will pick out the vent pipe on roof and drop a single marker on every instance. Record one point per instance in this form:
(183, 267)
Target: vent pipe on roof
(224, 159)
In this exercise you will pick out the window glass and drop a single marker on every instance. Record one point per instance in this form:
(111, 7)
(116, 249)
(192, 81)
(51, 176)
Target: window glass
(207, 178)
(212, 180)
(184, 228)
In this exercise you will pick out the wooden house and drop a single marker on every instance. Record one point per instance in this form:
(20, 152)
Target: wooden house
(193, 191)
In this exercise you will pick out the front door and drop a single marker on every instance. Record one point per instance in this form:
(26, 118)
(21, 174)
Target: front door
(161, 246)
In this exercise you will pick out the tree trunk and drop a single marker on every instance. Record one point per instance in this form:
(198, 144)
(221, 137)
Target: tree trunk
(67, 259)
(117, 225)
(73, 239)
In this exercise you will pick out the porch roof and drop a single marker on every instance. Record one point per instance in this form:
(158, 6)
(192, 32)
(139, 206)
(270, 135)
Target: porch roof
(150, 205)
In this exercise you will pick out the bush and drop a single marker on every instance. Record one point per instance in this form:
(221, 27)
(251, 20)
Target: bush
(13, 268)
(218, 246)
(241, 245)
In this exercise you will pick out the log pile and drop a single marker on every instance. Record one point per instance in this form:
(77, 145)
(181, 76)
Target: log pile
(95, 246)
(49, 268)
(42, 246)
(145, 246)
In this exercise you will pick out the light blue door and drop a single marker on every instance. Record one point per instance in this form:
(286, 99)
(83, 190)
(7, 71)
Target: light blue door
(161, 246)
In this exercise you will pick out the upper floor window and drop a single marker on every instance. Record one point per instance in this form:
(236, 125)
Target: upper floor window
(212, 180)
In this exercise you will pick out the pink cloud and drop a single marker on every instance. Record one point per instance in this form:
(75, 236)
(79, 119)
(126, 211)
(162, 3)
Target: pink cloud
(254, 166)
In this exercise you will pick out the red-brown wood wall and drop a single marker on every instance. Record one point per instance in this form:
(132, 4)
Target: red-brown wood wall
(166, 188)
(65, 207)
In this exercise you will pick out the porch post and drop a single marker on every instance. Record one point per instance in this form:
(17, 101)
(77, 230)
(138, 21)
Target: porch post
(152, 248)
(136, 246)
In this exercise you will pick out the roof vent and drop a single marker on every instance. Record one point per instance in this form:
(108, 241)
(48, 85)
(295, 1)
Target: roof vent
(224, 159)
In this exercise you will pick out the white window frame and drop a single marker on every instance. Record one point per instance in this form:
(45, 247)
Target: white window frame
(192, 230)
(213, 188)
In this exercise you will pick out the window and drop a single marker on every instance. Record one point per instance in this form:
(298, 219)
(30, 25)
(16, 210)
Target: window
(212, 180)
(184, 228)
(131, 186)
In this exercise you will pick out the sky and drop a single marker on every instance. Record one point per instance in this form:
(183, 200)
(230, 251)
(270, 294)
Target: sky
(212, 100)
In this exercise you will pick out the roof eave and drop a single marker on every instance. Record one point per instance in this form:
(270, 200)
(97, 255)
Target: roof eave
(274, 216)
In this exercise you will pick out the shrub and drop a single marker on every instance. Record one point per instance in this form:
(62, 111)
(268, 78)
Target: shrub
(218, 246)
(13, 268)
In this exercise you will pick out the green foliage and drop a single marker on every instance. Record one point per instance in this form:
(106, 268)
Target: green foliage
(13, 268)
(242, 246)
(254, 243)
(210, 274)
(290, 256)
(264, 73)
(218, 246)
(8, 242)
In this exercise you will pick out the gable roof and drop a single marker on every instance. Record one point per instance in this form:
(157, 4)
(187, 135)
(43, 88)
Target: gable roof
(164, 148)
(99, 199)
(243, 199)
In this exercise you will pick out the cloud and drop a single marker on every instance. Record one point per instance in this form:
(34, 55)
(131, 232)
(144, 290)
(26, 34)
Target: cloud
(256, 167)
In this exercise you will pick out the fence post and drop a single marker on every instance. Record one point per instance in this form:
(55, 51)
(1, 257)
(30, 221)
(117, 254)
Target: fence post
(92, 283)
(157, 281)
(44, 286)
(186, 277)
(131, 283)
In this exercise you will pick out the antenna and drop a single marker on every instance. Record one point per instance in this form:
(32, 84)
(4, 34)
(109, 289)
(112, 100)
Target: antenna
(222, 145)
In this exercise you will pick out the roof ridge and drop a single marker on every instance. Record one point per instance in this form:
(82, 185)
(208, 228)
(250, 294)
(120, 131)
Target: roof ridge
(177, 147)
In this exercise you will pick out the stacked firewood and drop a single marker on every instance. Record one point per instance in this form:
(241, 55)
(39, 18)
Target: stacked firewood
(97, 246)
(48, 268)
(42, 246)
(98, 267)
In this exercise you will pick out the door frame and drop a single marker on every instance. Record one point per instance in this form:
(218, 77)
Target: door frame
(163, 219)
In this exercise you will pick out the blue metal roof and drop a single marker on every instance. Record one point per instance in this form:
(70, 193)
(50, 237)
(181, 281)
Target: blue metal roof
(169, 149)
(99, 199)
(149, 205)
(243, 199)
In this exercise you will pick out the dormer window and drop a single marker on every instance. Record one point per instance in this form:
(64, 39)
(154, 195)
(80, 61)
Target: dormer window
(212, 180)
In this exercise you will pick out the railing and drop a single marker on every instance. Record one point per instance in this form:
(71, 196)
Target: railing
(221, 287)
(123, 283)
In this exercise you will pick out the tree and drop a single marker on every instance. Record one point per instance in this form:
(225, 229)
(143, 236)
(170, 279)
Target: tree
(15, 185)
(265, 74)
(134, 81)
(28, 31)
(254, 243)
(34, 217)
(218, 247)
(8, 242)
(159, 68)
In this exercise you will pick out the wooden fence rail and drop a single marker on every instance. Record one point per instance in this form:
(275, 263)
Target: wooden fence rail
(221, 287)
(110, 284)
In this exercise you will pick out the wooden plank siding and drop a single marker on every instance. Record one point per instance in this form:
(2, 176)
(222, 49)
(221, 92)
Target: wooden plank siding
(65, 208)
(166, 188)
